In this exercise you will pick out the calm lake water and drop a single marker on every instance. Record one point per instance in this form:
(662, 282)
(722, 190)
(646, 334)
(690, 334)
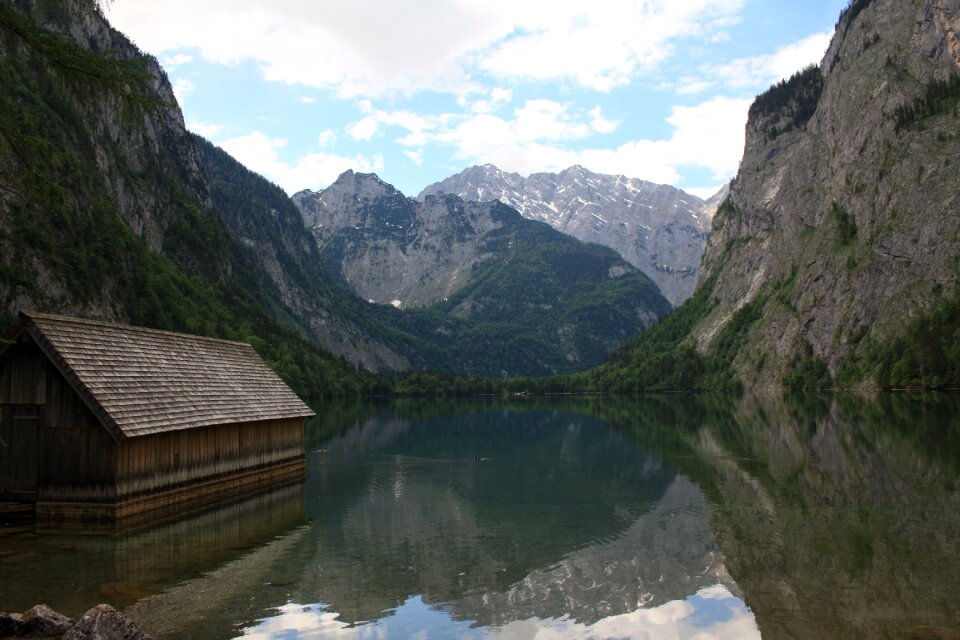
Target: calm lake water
(665, 517)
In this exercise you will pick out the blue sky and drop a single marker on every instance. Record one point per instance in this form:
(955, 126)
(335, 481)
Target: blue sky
(416, 90)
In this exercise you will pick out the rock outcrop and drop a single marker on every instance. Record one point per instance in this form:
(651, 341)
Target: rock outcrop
(101, 622)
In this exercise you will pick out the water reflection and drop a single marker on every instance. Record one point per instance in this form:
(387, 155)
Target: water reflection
(710, 613)
(75, 572)
(838, 517)
(504, 521)
(664, 517)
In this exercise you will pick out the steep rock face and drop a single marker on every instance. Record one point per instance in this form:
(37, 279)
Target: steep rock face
(391, 250)
(841, 225)
(656, 228)
(115, 135)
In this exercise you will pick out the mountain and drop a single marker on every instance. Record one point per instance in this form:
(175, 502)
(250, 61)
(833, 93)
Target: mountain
(111, 209)
(656, 228)
(835, 258)
(509, 296)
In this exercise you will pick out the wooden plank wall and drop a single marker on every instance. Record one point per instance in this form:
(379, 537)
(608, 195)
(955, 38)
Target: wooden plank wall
(77, 455)
(23, 370)
(19, 433)
(157, 462)
(22, 395)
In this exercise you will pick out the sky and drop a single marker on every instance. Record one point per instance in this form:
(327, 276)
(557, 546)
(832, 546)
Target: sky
(418, 90)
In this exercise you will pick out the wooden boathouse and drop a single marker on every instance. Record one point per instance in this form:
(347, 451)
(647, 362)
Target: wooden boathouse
(104, 421)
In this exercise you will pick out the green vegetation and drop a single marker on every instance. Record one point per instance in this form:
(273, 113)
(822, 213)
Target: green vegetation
(790, 103)
(939, 97)
(850, 13)
(76, 66)
(807, 372)
(543, 297)
(665, 357)
(846, 225)
(925, 355)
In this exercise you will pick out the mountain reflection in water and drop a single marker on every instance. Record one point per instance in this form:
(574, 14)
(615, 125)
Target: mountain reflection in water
(503, 522)
(660, 517)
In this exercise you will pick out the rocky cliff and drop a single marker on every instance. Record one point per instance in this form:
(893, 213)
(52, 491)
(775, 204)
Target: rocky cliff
(842, 223)
(391, 250)
(835, 258)
(656, 228)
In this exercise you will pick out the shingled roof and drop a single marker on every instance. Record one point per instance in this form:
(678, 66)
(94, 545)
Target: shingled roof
(141, 381)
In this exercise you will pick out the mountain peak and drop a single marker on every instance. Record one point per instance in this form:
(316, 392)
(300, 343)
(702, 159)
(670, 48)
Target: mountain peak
(364, 187)
(577, 168)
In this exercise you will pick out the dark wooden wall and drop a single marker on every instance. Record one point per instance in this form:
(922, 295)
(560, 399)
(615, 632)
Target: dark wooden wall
(22, 395)
(23, 371)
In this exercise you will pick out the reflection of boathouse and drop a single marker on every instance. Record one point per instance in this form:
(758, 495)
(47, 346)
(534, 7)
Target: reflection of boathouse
(107, 420)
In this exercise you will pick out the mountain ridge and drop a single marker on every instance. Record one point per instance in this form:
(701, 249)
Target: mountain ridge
(659, 229)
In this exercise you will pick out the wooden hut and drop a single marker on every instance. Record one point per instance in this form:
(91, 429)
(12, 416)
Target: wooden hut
(103, 420)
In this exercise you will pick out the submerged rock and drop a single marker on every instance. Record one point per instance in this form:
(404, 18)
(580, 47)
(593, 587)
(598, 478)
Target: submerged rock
(10, 624)
(103, 622)
(42, 621)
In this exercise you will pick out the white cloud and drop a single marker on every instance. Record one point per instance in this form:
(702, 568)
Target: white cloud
(603, 47)
(260, 153)
(688, 85)
(709, 135)
(307, 100)
(600, 124)
(183, 87)
(363, 129)
(761, 71)
(546, 120)
(704, 193)
(172, 62)
(208, 131)
(496, 98)
(327, 139)
(426, 45)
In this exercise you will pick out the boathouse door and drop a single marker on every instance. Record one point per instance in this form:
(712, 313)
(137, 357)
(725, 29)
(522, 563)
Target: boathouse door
(19, 451)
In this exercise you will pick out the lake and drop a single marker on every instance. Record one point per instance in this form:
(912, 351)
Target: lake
(670, 517)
